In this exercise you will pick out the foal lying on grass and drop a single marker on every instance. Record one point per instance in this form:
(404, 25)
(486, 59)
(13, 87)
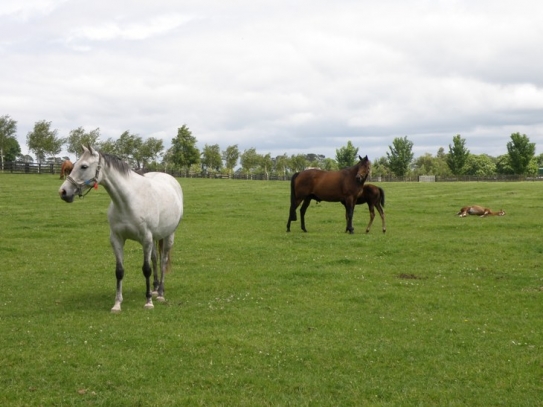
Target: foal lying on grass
(479, 210)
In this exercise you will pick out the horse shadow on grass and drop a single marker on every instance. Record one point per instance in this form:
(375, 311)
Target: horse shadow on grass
(102, 300)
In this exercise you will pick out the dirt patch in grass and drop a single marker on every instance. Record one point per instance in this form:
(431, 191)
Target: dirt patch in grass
(406, 276)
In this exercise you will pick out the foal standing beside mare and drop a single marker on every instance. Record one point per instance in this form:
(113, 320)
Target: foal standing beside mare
(374, 196)
(145, 208)
(343, 186)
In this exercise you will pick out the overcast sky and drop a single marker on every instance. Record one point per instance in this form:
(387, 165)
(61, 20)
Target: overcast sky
(280, 76)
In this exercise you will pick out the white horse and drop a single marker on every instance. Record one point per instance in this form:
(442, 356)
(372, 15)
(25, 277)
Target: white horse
(146, 209)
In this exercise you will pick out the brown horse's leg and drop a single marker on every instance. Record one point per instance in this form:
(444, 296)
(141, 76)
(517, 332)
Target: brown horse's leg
(348, 219)
(304, 207)
(292, 212)
(294, 202)
(372, 217)
(349, 211)
(382, 213)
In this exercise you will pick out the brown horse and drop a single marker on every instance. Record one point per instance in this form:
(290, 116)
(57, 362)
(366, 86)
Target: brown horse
(343, 186)
(479, 210)
(374, 196)
(66, 169)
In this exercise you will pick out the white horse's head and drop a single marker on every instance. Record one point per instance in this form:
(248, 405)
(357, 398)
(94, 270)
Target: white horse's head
(85, 175)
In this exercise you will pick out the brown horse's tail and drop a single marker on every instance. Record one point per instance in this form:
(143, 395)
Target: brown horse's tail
(382, 191)
(292, 215)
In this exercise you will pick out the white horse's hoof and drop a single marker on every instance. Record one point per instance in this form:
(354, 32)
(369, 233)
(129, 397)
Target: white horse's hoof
(154, 293)
(116, 308)
(149, 305)
(161, 299)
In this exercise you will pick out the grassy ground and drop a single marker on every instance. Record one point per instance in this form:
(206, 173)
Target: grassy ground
(439, 311)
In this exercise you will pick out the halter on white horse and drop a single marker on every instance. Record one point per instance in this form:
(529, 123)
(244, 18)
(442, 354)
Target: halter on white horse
(94, 181)
(146, 209)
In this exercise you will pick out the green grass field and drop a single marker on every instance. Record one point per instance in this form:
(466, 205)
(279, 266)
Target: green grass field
(441, 310)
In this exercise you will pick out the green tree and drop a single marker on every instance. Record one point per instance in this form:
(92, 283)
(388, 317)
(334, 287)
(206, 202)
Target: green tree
(441, 167)
(315, 160)
(480, 165)
(249, 160)
(503, 165)
(128, 147)
(211, 158)
(230, 157)
(346, 156)
(521, 152)
(78, 137)
(12, 150)
(184, 152)
(107, 146)
(379, 167)
(426, 164)
(266, 165)
(149, 151)
(539, 160)
(282, 165)
(400, 156)
(8, 131)
(329, 164)
(298, 162)
(43, 141)
(458, 155)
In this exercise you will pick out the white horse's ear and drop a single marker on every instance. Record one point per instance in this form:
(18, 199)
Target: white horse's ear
(88, 148)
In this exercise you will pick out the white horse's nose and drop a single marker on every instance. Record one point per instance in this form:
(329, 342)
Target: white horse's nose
(65, 196)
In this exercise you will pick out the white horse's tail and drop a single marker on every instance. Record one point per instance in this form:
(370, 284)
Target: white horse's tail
(169, 259)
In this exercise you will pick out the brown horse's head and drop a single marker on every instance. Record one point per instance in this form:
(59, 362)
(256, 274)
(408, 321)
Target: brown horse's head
(364, 169)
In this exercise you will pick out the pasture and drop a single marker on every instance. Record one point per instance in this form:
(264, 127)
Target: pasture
(439, 311)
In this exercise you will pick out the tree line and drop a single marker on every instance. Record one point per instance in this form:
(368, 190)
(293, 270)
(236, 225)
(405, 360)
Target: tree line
(185, 156)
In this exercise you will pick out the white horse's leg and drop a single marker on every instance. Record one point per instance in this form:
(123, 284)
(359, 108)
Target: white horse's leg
(165, 259)
(146, 268)
(117, 243)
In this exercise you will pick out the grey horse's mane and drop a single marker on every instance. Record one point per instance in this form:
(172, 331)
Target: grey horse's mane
(115, 162)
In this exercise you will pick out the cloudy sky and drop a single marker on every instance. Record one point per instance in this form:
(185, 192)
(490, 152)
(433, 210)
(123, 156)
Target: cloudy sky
(281, 76)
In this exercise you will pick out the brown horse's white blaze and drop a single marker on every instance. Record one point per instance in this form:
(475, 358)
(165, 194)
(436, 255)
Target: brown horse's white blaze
(343, 186)
(374, 196)
(479, 211)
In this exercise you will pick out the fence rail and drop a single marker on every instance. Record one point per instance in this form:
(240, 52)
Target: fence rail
(16, 167)
(53, 168)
